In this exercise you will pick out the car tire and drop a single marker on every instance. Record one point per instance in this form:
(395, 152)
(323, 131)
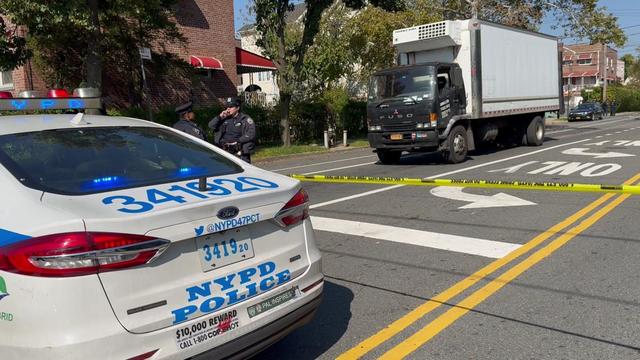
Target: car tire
(388, 157)
(535, 131)
(456, 147)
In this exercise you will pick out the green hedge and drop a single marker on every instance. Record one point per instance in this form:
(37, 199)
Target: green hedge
(626, 97)
(308, 120)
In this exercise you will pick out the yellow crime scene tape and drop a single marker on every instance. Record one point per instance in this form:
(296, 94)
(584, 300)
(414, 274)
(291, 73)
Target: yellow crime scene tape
(475, 183)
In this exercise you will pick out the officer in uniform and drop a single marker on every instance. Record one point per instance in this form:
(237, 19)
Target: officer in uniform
(186, 123)
(235, 131)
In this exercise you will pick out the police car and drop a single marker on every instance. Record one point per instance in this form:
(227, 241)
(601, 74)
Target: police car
(126, 239)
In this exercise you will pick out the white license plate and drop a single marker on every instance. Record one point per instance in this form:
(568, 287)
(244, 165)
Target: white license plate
(221, 249)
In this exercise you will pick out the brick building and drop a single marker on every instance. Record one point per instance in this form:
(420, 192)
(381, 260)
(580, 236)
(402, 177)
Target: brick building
(211, 48)
(583, 66)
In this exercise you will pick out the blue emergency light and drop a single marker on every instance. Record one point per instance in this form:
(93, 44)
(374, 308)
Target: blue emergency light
(104, 183)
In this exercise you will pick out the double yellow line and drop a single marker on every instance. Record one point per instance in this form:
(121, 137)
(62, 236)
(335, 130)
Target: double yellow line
(418, 339)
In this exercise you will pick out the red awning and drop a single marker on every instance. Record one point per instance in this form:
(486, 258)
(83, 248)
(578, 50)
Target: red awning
(584, 56)
(204, 62)
(249, 62)
(590, 73)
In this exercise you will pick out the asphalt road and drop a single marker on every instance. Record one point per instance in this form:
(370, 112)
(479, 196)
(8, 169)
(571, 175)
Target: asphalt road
(440, 273)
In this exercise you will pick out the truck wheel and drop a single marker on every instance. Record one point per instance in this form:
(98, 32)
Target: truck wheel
(456, 149)
(388, 157)
(535, 131)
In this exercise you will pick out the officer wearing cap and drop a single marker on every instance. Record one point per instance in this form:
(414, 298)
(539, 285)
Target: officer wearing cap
(186, 123)
(235, 131)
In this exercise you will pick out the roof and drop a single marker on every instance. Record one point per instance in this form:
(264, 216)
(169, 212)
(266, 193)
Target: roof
(12, 124)
(292, 16)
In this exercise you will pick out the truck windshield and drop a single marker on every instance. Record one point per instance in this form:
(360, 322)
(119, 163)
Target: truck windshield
(413, 85)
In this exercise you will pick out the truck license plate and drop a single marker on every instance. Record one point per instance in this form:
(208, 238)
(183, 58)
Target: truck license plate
(221, 249)
(396, 136)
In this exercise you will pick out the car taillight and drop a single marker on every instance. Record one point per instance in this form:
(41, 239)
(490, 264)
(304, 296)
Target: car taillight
(79, 253)
(294, 211)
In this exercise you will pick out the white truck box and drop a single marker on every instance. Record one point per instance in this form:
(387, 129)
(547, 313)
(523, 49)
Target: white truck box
(519, 69)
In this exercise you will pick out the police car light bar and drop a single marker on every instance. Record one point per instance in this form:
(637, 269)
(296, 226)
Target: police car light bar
(50, 103)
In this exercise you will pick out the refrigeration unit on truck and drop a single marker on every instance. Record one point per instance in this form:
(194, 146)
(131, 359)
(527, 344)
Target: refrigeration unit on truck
(460, 84)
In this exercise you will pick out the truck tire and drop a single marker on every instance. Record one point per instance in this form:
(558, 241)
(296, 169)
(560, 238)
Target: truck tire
(388, 157)
(456, 147)
(535, 131)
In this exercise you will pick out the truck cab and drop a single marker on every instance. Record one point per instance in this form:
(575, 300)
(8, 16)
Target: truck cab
(409, 107)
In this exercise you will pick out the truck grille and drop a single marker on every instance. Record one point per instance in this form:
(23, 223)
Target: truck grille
(399, 127)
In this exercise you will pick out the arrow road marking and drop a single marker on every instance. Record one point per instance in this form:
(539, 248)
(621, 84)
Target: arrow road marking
(478, 201)
(583, 151)
(461, 244)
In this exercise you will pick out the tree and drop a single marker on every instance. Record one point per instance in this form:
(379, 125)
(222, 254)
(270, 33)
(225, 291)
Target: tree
(372, 29)
(72, 40)
(271, 25)
(577, 18)
(13, 48)
(631, 67)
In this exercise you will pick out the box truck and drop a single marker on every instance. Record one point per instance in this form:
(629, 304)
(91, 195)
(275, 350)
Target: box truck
(460, 84)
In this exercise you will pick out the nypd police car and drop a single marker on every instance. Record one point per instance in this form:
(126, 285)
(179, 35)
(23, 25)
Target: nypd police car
(125, 239)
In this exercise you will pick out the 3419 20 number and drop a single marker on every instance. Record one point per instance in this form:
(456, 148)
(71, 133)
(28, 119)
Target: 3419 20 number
(175, 193)
(224, 249)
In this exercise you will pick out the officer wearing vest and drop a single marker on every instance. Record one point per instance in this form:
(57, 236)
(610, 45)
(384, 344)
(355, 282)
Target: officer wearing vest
(235, 131)
(186, 123)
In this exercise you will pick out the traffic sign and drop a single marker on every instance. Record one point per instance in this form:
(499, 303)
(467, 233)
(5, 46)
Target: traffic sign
(145, 53)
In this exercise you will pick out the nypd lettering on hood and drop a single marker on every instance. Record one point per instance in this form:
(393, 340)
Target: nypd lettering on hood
(230, 289)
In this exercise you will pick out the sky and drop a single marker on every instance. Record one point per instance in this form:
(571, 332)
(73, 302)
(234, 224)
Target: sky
(627, 11)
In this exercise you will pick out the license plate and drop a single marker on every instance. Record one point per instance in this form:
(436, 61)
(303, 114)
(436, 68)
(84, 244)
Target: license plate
(271, 303)
(396, 136)
(221, 249)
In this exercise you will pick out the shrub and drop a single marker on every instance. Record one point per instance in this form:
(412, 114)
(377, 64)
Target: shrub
(354, 118)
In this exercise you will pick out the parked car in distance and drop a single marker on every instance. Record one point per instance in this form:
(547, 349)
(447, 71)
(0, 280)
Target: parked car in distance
(586, 111)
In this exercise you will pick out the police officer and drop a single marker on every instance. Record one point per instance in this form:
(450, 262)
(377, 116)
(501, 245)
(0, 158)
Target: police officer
(236, 132)
(186, 123)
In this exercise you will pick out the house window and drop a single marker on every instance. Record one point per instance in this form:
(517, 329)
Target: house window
(567, 62)
(584, 62)
(6, 80)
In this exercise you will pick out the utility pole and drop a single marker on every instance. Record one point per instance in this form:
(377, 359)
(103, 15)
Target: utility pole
(604, 71)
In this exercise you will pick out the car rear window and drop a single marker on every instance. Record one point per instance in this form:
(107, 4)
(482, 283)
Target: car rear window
(92, 160)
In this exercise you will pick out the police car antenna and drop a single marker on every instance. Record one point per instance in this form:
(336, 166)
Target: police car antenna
(202, 184)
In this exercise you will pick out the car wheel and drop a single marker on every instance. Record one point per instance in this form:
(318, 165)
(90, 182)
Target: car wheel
(535, 131)
(457, 147)
(388, 157)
